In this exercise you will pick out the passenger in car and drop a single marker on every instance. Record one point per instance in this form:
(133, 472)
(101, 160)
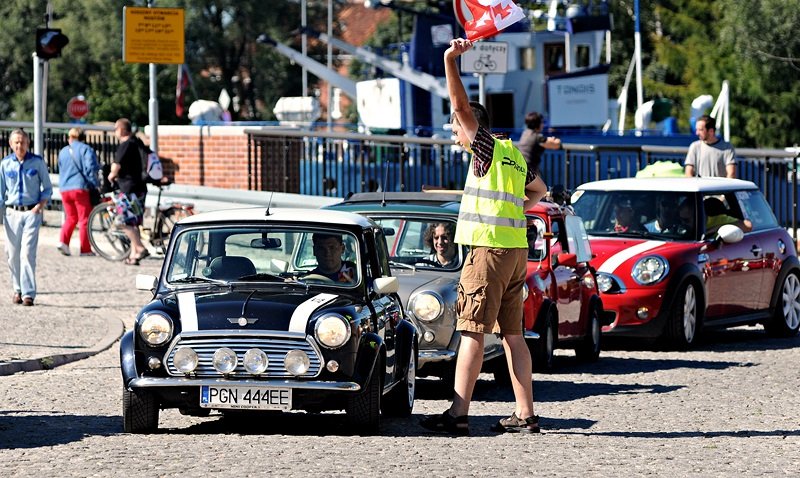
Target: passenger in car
(625, 217)
(439, 238)
(666, 215)
(328, 249)
(717, 216)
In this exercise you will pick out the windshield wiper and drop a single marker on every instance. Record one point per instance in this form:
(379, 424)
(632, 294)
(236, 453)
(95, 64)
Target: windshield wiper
(401, 265)
(197, 279)
(262, 276)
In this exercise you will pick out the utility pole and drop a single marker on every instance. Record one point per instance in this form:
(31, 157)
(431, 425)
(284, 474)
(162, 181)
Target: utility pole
(152, 103)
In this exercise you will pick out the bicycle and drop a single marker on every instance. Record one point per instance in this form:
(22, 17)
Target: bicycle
(108, 238)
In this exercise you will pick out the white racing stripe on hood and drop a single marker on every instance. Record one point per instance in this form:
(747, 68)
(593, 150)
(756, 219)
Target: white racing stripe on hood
(611, 264)
(303, 311)
(188, 311)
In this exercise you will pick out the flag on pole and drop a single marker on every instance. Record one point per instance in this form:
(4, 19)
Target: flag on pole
(490, 17)
(180, 90)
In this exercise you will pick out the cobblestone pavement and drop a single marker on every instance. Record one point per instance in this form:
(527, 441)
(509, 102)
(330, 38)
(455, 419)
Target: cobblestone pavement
(727, 408)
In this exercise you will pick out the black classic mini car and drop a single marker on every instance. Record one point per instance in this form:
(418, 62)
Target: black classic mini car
(271, 310)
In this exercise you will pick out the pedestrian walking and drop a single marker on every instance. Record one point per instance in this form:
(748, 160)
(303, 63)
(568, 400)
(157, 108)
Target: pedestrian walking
(126, 170)
(492, 223)
(709, 155)
(77, 174)
(25, 189)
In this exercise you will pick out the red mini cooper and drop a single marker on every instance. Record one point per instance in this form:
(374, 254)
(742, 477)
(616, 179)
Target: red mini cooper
(567, 310)
(675, 255)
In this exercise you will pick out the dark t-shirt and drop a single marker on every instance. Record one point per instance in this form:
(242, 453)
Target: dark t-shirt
(130, 162)
(530, 145)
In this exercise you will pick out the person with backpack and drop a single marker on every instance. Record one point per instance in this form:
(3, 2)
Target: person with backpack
(77, 175)
(127, 171)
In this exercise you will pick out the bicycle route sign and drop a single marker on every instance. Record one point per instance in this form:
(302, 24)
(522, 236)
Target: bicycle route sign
(486, 57)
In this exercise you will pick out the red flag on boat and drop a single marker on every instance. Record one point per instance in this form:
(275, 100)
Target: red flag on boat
(490, 17)
(180, 90)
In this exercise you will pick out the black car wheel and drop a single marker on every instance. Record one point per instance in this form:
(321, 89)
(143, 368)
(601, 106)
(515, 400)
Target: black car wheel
(139, 411)
(400, 401)
(684, 320)
(785, 320)
(544, 347)
(364, 409)
(589, 348)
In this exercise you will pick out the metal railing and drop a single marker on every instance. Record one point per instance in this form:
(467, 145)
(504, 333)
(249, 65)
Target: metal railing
(101, 138)
(337, 164)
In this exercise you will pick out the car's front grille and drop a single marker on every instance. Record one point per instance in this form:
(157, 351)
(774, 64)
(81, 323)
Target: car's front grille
(276, 348)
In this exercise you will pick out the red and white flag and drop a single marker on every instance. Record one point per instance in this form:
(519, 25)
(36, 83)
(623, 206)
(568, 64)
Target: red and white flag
(490, 17)
(180, 90)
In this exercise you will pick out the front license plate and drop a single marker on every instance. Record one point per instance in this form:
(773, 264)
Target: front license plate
(245, 398)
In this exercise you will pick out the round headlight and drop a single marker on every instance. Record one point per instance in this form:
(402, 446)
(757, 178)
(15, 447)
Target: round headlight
(155, 329)
(185, 359)
(649, 270)
(604, 282)
(224, 360)
(525, 292)
(427, 306)
(255, 361)
(296, 362)
(332, 331)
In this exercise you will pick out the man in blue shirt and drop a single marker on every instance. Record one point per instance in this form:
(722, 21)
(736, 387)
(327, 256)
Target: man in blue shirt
(25, 189)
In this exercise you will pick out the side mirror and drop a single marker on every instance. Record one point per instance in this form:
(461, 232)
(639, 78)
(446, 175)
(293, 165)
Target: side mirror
(566, 259)
(388, 231)
(386, 285)
(146, 282)
(730, 234)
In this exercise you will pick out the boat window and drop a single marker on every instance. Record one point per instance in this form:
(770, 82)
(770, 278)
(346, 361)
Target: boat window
(583, 54)
(527, 58)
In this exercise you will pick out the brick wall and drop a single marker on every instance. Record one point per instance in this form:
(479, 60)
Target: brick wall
(214, 156)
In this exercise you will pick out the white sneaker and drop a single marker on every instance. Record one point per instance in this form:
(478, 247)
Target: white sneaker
(63, 249)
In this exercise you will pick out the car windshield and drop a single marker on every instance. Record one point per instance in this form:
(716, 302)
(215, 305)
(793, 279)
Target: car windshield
(422, 242)
(304, 255)
(648, 214)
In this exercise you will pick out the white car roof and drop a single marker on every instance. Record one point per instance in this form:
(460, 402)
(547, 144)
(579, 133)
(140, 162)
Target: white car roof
(668, 184)
(282, 215)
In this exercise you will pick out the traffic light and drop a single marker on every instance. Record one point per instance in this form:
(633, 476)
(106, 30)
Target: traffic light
(49, 42)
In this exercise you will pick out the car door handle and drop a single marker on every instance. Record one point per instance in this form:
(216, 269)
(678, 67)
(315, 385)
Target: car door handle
(755, 250)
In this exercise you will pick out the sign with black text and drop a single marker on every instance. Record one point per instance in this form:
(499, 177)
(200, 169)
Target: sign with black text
(486, 57)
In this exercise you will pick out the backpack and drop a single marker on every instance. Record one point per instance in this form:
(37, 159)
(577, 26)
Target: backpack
(151, 164)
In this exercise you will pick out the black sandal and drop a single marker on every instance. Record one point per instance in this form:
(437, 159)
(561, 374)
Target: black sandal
(446, 423)
(513, 424)
(131, 261)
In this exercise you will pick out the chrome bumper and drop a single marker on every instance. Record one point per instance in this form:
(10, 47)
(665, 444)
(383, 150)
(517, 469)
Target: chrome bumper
(430, 356)
(145, 382)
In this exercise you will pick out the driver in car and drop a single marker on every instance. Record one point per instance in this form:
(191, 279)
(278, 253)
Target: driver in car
(666, 216)
(328, 249)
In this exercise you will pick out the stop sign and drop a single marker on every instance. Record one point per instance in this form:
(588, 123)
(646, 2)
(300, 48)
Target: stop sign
(77, 107)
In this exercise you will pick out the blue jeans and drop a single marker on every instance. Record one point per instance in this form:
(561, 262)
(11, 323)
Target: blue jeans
(22, 239)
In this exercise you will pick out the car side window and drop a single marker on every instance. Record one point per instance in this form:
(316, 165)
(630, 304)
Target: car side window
(755, 208)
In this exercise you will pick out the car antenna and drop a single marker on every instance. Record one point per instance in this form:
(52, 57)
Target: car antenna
(269, 203)
(385, 181)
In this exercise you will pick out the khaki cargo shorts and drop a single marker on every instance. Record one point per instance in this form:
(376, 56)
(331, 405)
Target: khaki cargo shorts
(490, 291)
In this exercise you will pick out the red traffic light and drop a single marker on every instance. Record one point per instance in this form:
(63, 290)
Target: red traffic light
(49, 42)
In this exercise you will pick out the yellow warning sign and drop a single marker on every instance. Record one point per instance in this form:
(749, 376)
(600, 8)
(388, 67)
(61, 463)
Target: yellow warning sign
(153, 35)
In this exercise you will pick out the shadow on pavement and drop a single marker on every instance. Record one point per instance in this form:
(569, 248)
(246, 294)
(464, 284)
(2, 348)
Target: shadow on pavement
(34, 429)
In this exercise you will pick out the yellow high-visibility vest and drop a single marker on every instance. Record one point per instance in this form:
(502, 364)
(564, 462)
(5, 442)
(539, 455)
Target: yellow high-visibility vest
(491, 211)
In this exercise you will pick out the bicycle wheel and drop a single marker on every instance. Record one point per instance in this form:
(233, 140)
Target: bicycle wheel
(163, 228)
(107, 238)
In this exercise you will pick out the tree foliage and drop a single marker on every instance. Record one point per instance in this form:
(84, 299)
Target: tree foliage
(689, 48)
